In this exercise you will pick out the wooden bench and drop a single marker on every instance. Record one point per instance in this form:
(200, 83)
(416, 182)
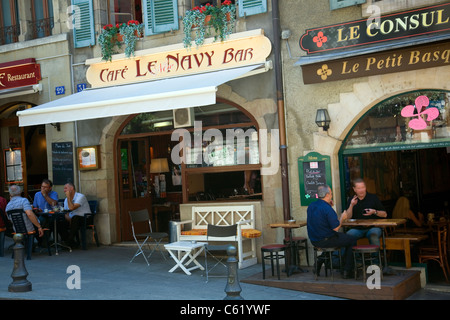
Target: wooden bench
(400, 242)
(243, 216)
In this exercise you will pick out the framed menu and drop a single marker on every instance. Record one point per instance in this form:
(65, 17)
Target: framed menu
(88, 158)
(314, 170)
(13, 165)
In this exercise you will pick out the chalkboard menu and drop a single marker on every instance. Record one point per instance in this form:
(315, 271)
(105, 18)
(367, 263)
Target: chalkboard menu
(62, 162)
(314, 171)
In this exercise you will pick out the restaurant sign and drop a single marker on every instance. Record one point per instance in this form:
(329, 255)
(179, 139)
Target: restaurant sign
(421, 57)
(20, 73)
(423, 21)
(174, 61)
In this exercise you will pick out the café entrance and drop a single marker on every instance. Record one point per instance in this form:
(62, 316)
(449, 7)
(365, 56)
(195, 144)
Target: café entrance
(148, 175)
(395, 158)
(24, 152)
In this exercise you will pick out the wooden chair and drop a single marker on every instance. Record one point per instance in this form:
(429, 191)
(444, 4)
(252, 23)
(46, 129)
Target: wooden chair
(438, 251)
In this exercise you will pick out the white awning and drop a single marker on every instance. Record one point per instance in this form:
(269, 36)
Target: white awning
(167, 94)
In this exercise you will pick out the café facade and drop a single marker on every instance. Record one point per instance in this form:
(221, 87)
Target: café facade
(370, 98)
(129, 155)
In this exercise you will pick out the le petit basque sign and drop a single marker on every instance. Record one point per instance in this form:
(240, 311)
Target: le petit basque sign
(431, 20)
(20, 73)
(173, 61)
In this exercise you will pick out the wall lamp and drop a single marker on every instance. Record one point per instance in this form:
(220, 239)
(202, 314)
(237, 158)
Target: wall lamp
(57, 126)
(323, 119)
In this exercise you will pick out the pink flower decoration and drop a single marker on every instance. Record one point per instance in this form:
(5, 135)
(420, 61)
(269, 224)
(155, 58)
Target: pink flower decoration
(421, 103)
(320, 39)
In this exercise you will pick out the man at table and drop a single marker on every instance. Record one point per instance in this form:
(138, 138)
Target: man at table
(323, 225)
(78, 206)
(365, 205)
(18, 202)
(44, 200)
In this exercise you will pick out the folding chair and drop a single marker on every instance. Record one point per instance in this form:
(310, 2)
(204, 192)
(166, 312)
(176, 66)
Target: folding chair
(18, 216)
(218, 233)
(139, 217)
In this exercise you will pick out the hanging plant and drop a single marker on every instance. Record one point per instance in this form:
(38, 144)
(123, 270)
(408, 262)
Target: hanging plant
(207, 20)
(131, 31)
(109, 42)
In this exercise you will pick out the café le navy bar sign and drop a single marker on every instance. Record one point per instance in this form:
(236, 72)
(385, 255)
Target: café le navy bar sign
(423, 21)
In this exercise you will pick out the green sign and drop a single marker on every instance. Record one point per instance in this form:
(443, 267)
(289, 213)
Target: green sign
(314, 170)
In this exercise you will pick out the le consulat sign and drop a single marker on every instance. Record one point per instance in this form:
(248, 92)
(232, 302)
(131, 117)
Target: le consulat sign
(391, 27)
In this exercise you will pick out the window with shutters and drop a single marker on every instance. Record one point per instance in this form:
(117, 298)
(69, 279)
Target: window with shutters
(83, 23)
(251, 7)
(42, 15)
(160, 16)
(9, 22)
(337, 4)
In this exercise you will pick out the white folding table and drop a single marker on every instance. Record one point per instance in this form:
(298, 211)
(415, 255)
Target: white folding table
(191, 250)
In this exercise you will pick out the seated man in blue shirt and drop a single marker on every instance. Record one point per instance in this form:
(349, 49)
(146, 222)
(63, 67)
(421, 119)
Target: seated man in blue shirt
(45, 199)
(323, 226)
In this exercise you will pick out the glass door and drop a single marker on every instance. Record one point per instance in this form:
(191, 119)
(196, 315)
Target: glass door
(133, 181)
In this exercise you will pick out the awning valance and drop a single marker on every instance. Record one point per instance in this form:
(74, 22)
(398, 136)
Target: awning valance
(167, 94)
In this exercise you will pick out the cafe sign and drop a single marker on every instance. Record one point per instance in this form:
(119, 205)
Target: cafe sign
(414, 58)
(423, 21)
(20, 73)
(174, 61)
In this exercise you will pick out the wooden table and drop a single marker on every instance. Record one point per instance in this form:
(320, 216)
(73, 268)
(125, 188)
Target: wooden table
(376, 223)
(290, 267)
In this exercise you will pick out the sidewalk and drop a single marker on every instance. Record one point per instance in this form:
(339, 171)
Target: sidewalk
(107, 274)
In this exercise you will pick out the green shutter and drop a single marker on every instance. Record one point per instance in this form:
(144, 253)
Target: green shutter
(83, 32)
(160, 16)
(251, 7)
(337, 4)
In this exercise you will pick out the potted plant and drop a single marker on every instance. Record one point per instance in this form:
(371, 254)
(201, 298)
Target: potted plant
(208, 18)
(131, 31)
(108, 41)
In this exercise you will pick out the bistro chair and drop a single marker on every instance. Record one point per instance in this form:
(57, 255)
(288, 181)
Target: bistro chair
(218, 251)
(327, 259)
(18, 216)
(438, 251)
(276, 252)
(139, 220)
(366, 253)
(88, 223)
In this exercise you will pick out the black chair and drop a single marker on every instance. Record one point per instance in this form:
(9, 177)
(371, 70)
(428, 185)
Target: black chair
(276, 252)
(218, 251)
(88, 223)
(18, 216)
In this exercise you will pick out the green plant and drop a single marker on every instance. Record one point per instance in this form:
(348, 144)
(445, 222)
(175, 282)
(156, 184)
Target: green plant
(221, 22)
(108, 41)
(131, 31)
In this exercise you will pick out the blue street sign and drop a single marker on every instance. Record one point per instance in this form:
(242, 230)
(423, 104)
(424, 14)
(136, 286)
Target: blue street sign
(60, 90)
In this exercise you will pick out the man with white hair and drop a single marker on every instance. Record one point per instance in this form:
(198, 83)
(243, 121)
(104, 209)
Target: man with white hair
(18, 202)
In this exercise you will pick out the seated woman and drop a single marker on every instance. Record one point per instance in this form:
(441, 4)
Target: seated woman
(402, 210)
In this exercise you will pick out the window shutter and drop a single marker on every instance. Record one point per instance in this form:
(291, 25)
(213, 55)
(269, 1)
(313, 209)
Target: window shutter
(83, 30)
(160, 16)
(337, 4)
(251, 7)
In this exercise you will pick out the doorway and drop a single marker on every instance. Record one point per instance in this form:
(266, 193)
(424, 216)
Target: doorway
(24, 153)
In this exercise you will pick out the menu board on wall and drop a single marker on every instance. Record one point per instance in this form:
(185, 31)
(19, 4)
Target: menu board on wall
(62, 162)
(314, 171)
